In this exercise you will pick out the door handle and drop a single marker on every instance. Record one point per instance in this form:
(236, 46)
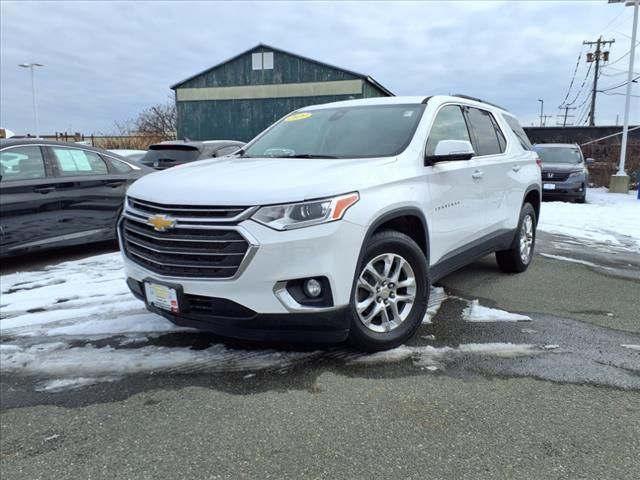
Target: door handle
(44, 190)
(516, 168)
(477, 174)
(115, 183)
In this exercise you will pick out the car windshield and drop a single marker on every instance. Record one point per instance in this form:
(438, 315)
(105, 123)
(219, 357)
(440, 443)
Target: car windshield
(343, 132)
(559, 154)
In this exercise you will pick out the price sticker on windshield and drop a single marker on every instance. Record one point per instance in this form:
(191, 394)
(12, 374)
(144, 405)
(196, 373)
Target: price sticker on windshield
(298, 116)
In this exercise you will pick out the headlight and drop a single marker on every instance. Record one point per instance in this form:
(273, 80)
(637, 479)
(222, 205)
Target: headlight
(305, 214)
(576, 174)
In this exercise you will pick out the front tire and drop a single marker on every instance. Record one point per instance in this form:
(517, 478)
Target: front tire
(518, 258)
(390, 292)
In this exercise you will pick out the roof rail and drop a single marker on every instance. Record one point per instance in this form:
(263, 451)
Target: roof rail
(475, 99)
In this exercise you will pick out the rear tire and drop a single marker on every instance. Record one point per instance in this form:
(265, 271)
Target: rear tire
(518, 258)
(390, 292)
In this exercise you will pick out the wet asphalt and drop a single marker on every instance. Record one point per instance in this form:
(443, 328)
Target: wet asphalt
(571, 410)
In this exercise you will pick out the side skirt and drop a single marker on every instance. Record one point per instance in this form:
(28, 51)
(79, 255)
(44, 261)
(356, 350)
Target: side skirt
(471, 252)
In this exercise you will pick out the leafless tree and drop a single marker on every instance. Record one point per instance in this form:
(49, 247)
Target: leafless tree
(157, 120)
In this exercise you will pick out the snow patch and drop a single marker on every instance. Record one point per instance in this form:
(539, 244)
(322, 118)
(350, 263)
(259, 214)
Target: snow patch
(424, 356)
(478, 313)
(572, 260)
(87, 297)
(63, 384)
(606, 218)
(436, 297)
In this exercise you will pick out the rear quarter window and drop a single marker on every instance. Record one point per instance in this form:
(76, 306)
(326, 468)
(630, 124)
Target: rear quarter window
(486, 135)
(519, 132)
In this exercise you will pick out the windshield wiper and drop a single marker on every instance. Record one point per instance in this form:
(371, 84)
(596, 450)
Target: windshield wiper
(241, 154)
(306, 155)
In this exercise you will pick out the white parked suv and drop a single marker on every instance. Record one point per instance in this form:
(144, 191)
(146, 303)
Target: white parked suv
(332, 224)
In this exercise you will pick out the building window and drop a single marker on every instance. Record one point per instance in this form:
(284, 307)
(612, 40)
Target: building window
(256, 61)
(267, 60)
(262, 61)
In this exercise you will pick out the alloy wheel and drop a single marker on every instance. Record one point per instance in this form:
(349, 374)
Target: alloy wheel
(385, 292)
(526, 239)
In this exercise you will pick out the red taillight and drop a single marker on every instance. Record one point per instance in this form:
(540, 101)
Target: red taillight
(539, 163)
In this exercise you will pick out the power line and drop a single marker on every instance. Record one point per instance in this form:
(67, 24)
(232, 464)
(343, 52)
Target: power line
(619, 86)
(615, 74)
(617, 93)
(604, 29)
(581, 86)
(575, 70)
(620, 58)
(584, 111)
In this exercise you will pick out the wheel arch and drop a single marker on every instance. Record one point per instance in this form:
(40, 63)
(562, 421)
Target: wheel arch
(532, 195)
(408, 220)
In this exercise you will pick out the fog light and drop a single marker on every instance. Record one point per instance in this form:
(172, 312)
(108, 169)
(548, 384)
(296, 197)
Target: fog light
(312, 288)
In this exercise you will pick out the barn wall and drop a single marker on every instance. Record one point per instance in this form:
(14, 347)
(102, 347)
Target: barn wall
(232, 101)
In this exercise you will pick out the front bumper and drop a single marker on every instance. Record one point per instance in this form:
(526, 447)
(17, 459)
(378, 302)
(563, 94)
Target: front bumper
(330, 250)
(567, 189)
(234, 321)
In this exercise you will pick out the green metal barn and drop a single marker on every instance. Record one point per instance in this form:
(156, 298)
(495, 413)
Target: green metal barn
(239, 98)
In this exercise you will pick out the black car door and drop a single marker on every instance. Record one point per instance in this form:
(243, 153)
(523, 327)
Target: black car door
(90, 190)
(29, 204)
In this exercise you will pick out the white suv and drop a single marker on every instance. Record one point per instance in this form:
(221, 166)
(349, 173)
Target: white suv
(333, 223)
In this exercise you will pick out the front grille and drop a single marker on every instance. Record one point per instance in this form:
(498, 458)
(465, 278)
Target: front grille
(186, 211)
(184, 251)
(555, 176)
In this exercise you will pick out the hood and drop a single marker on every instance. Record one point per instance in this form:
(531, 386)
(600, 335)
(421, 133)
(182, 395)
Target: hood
(256, 181)
(561, 167)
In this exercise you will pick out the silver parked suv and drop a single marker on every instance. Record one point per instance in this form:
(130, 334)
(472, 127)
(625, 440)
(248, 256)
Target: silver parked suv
(333, 223)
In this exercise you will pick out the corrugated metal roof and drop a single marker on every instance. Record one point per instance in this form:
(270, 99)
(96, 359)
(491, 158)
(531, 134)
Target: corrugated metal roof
(262, 45)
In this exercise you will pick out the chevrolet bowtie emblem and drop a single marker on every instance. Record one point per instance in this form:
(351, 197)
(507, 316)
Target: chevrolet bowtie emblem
(160, 223)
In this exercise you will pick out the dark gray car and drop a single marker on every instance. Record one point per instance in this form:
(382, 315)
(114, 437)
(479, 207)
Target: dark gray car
(564, 171)
(170, 154)
(60, 194)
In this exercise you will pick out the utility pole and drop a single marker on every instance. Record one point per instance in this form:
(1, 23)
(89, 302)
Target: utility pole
(565, 115)
(619, 182)
(541, 110)
(596, 57)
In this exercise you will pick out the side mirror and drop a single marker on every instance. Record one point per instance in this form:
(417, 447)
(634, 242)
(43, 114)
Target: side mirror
(451, 150)
(589, 161)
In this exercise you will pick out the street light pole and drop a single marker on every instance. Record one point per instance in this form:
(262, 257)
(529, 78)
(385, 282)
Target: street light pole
(619, 182)
(31, 66)
(541, 111)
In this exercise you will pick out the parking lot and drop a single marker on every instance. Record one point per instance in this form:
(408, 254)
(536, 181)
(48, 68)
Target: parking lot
(530, 376)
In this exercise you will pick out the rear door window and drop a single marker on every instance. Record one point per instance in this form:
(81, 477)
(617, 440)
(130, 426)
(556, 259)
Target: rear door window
(487, 137)
(449, 124)
(22, 163)
(76, 162)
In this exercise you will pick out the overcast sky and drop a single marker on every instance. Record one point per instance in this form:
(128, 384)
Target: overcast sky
(106, 61)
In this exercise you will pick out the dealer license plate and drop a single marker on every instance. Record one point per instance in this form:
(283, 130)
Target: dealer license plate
(549, 186)
(162, 296)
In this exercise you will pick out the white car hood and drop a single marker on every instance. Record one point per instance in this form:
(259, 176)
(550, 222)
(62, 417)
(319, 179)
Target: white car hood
(256, 181)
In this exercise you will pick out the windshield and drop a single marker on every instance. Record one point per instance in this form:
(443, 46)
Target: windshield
(559, 154)
(343, 132)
